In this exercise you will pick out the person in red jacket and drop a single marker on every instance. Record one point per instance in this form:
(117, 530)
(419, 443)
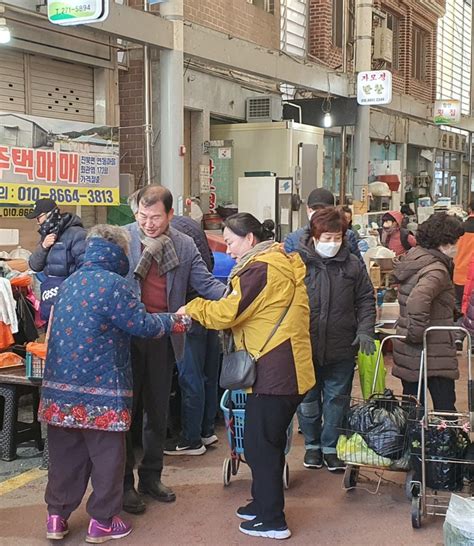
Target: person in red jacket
(469, 286)
(465, 251)
(393, 236)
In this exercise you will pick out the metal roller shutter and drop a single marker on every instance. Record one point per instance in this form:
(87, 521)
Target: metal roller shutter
(61, 90)
(12, 81)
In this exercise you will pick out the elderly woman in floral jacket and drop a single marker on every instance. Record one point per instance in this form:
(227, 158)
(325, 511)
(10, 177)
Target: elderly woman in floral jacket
(86, 396)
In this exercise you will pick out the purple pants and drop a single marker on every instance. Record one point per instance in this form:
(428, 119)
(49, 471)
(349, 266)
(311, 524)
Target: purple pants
(76, 455)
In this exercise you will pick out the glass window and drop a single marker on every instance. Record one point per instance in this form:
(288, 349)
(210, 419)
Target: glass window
(419, 44)
(393, 23)
(337, 18)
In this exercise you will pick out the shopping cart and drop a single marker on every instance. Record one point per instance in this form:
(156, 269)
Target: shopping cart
(457, 471)
(233, 407)
(359, 448)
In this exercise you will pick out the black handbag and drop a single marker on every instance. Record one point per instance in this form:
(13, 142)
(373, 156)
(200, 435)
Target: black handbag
(239, 368)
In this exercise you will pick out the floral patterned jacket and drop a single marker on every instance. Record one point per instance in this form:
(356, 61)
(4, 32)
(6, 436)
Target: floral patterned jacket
(88, 378)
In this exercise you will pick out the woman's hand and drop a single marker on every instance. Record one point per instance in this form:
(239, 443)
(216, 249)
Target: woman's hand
(181, 310)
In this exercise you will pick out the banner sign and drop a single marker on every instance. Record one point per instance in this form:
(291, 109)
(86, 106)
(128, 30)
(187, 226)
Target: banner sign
(15, 212)
(77, 12)
(374, 87)
(447, 111)
(73, 163)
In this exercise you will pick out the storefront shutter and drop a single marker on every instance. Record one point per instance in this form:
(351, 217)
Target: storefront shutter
(61, 90)
(12, 81)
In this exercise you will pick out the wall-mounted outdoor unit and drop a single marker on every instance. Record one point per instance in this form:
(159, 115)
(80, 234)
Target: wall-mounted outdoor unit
(263, 108)
(383, 44)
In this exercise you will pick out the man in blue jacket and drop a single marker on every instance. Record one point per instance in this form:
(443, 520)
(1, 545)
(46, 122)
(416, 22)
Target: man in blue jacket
(60, 251)
(319, 198)
(164, 265)
(198, 369)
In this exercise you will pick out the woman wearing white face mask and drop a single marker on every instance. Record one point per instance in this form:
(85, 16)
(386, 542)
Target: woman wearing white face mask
(342, 306)
(426, 297)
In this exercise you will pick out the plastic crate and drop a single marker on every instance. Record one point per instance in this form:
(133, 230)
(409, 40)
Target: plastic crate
(239, 399)
(34, 366)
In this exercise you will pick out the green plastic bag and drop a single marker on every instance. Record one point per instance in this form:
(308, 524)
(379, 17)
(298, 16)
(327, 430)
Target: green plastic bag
(354, 450)
(366, 365)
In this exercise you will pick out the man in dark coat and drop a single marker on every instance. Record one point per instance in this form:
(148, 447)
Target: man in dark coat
(60, 251)
(342, 305)
(164, 265)
(318, 199)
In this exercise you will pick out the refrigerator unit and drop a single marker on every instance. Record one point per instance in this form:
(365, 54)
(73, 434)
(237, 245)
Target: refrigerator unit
(279, 157)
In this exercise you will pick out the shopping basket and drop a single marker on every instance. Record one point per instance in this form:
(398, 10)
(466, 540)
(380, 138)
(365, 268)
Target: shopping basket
(359, 446)
(233, 408)
(441, 445)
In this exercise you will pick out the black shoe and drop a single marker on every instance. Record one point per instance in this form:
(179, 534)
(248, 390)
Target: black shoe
(132, 502)
(313, 458)
(181, 447)
(246, 512)
(259, 529)
(334, 464)
(157, 490)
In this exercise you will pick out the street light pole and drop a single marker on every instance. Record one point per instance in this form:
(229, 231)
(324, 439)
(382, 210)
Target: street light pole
(363, 62)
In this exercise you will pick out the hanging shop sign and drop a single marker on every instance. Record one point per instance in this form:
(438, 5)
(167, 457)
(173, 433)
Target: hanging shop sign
(73, 163)
(374, 87)
(77, 12)
(447, 111)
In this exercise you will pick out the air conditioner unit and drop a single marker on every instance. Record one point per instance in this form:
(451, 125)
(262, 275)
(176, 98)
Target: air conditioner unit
(263, 108)
(383, 44)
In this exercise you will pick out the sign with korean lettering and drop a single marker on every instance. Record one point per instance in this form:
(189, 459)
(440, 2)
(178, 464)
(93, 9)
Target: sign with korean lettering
(77, 12)
(374, 87)
(73, 163)
(447, 111)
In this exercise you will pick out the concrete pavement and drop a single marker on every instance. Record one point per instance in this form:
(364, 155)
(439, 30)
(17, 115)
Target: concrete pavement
(318, 510)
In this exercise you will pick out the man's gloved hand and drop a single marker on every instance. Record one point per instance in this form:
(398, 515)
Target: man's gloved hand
(366, 343)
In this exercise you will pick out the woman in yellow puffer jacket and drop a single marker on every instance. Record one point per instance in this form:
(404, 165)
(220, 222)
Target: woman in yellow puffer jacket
(263, 284)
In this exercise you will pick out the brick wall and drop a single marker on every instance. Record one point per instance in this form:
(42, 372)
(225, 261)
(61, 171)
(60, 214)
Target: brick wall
(410, 12)
(131, 97)
(320, 44)
(237, 18)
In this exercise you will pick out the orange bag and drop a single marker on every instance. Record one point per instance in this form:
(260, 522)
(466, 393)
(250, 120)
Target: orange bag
(37, 349)
(8, 360)
(6, 337)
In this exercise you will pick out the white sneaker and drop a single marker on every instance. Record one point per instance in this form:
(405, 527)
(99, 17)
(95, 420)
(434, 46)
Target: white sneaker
(209, 440)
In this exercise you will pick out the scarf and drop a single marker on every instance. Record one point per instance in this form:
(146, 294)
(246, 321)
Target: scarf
(259, 248)
(52, 224)
(160, 249)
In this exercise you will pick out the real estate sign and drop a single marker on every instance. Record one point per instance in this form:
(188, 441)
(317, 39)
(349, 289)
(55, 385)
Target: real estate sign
(71, 162)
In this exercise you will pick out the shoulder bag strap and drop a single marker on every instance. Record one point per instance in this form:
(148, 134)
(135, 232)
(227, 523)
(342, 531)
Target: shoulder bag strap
(275, 328)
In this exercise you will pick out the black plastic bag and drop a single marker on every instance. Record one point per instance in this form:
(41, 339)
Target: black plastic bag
(442, 443)
(382, 422)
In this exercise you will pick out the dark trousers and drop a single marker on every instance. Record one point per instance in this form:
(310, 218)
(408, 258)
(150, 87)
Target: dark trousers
(76, 455)
(459, 293)
(198, 376)
(266, 421)
(152, 365)
(442, 391)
